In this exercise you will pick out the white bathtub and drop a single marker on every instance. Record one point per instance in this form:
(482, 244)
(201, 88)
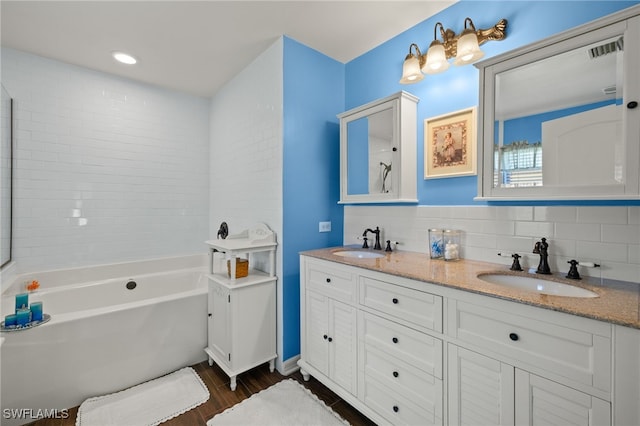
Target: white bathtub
(102, 337)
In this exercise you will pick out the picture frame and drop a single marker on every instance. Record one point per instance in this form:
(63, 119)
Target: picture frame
(450, 146)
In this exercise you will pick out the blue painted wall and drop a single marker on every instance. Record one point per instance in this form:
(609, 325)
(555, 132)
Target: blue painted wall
(313, 95)
(376, 74)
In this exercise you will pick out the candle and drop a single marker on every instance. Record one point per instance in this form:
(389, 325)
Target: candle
(36, 311)
(22, 301)
(10, 320)
(23, 316)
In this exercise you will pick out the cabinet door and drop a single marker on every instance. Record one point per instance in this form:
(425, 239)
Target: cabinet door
(542, 402)
(317, 331)
(219, 327)
(343, 345)
(480, 389)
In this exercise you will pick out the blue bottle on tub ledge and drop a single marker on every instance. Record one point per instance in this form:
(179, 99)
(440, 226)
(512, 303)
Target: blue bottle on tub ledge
(23, 317)
(22, 301)
(36, 311)
(10, 320)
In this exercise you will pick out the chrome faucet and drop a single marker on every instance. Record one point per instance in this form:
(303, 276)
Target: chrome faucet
(542, 248)
(377, 245)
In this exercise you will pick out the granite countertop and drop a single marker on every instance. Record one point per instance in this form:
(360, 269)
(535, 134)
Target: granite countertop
(618, 302)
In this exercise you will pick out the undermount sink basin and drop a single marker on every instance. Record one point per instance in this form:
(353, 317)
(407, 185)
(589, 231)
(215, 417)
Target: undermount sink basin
(537, 285)
(359, 254)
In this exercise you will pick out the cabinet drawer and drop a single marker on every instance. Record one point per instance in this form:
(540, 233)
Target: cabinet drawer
(417, 349)
(336, 283)
(417, 307)
(569, 351)
(399, 377)
(397, 409)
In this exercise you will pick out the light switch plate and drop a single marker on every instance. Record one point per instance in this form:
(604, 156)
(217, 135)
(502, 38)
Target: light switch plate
(324, 227)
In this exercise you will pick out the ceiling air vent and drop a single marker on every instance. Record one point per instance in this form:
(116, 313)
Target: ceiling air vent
(605, 49)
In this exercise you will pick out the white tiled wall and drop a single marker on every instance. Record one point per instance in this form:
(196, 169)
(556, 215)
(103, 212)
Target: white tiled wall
(106, 169)
(246, 147)
(609, 236)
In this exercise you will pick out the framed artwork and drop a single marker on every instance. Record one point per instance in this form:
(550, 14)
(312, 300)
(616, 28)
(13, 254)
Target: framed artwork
(450, 144)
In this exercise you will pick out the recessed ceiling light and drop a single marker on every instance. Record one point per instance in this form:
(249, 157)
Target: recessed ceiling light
(125, 58)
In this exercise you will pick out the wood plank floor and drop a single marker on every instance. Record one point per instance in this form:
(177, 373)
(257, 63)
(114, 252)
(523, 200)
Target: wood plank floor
(221, 397)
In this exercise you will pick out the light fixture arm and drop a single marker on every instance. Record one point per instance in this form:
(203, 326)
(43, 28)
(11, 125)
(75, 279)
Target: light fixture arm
(417, 53)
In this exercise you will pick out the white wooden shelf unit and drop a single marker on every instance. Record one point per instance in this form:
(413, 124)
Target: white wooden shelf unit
(242, 311)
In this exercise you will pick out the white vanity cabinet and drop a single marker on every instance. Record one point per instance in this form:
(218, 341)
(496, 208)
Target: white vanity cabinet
(560, 118)
(423, 354)
(378, 151)
(242, 311)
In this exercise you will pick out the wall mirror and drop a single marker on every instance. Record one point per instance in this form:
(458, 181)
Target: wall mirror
(558, 117)
(6, 171)
(370, 153)
(377, 141)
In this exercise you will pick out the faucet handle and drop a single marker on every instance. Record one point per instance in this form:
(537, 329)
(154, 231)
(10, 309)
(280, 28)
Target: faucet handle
(515, 266)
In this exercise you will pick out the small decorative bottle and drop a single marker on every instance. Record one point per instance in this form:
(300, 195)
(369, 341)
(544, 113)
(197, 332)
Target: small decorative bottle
(451, 244)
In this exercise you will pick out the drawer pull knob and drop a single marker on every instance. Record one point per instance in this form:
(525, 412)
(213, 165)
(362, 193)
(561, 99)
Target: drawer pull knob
(395, 301)
(330, 339)
(395, 340)
(395, 374)
(513, 336)
(328, 280)
(325, 337)
(396, 409)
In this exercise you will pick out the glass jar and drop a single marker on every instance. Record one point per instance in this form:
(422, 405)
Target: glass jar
(435, 243)
(451, 241)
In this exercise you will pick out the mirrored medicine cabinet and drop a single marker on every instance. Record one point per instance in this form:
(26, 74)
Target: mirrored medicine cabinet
(559, 119)
(378, 151)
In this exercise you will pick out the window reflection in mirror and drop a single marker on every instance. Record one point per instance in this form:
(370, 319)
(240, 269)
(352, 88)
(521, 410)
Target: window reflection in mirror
(548, 111)
(5, 177)
(369, 154)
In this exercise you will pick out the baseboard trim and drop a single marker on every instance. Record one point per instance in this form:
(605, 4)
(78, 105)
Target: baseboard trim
(289, 366)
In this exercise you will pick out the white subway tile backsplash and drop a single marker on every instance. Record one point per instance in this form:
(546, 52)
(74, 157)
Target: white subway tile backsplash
(602, 214)
(534, 229)
(604, 251)
(634, 254)
(627, 234)
(498, 227)
(634, 216)
(515, 213)
(515, 230)
(578, 231)
(555, 214)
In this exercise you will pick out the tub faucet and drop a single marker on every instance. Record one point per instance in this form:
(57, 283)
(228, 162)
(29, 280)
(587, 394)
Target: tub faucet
(377, 245)
(542, 248)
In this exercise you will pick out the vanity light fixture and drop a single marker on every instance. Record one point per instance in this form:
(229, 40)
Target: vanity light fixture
(124, 58)
(465, 48)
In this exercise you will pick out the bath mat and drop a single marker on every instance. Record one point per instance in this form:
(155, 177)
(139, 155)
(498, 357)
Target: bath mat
(146, 404)
(285, 403)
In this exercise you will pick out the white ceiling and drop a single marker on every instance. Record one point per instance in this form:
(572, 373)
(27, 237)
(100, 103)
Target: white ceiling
(197, 46)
